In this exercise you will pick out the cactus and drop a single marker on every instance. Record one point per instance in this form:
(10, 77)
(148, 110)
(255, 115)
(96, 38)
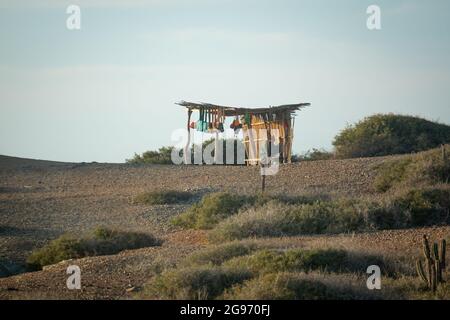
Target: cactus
(442, 256)
(435, 263)
(420, 271)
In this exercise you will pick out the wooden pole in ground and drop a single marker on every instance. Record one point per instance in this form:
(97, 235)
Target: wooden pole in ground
(263, 179)
(187, 157)
(216, 149)
(444, 155)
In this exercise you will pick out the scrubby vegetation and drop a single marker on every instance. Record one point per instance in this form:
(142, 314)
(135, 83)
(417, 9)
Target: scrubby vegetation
(386, 134)
(216, 255)
(271, 261)
(422, 207)
(242, 216)
(245, 259)
(162, 156)
(211, 209)
(313, 155)
(294, 286)
(277, 219)
(425, 168)
(241, 271)
(419, 196)
(163, 197)
(195, 283)
(101, 241)
(216, 207)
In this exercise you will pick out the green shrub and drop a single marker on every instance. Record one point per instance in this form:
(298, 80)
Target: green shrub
(162, 197)
(313, 155)
(257, 257)
(276, 219)
(384, 216)
(268, 220)
(428, 206)
(211, 209)
(301, 286)
(308, 260)
(386, 134)
(283, 286)
(391, 173)
(102, 241)
(424, 168)
(63, 248)
(162, 156)
(216, 207)
(217, 255)
(271, 261)
(414, 289)
(433, 167)
(421, 207)
(194, 283)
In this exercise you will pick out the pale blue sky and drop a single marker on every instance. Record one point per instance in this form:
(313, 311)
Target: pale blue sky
(108, 90)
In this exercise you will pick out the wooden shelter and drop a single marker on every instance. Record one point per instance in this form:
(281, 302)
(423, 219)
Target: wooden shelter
(212, 119)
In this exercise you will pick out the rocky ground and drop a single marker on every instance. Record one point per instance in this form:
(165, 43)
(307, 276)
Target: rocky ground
(40, 200)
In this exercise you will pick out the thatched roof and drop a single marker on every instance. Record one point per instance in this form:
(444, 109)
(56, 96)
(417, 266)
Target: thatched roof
(233, 111)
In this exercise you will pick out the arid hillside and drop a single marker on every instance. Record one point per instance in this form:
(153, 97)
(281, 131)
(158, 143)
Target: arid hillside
(41, 200)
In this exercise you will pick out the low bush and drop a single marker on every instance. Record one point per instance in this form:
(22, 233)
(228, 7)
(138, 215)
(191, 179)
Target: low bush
(194, 283)
(216, 207)
(162, 156)
(391, 173)
(276, 219)
(424, 207)
(102, 241)
(313, 155)
(288, 286)
(426, 168)
(163, 197)
(271, 261)
(420, 207)
(210, 210)
(242, 271)
(216, 255)
(386, 134)
(412, 288)
(63, 248)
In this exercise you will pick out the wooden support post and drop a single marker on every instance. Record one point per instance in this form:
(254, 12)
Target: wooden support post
(187, 157)
(263, 183)
(216, 149)
(444, 155)
(263, 179)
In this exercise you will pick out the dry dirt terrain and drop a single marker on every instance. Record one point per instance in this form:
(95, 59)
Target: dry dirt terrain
(40, 200)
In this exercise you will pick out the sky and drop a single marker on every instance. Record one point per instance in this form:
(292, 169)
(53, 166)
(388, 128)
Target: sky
(108, 90)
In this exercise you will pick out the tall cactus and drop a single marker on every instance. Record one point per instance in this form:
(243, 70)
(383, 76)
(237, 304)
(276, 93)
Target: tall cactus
(435, 263)
(442, 256)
